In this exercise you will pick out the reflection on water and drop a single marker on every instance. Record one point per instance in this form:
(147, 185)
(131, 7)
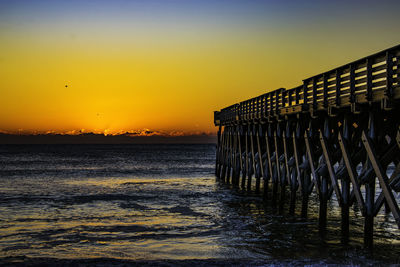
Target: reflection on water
(158, 202)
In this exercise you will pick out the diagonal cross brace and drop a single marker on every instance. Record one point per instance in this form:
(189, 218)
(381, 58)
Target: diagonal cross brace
(383, 180)
(328, 162)
(311, 162)
(381, 197)
(286, 158)
(352, 174)
(296, 157)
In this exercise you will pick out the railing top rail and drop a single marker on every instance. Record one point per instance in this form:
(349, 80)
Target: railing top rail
(360, 60)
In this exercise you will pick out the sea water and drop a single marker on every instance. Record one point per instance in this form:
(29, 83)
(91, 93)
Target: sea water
(159, 204)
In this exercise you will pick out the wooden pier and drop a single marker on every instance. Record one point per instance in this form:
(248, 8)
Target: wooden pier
(336, 134)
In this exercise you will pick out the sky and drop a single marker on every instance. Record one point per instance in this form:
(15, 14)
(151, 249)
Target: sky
(165, 66)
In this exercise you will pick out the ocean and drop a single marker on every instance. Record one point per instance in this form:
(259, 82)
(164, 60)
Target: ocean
(159, 205)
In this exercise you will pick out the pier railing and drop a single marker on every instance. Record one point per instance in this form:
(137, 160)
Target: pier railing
(337, 134)
(371, 79)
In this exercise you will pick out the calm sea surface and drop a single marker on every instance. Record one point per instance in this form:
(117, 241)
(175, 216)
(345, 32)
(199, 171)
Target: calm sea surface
(158, 204)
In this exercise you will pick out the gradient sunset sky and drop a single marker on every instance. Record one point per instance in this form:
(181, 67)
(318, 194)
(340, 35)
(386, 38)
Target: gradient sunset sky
(167, 65)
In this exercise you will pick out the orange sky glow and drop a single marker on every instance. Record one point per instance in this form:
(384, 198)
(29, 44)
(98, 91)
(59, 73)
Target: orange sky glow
(163, 67)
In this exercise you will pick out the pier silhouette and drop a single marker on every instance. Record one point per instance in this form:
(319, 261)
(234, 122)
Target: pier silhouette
(337, 134)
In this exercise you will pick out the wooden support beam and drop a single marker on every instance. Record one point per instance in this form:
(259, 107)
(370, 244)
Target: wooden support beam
(228, 151)
(277, 179)
(323, 202)
(219, 156)
(297, 180)
(253, 161)
(234, 157)
(260, 160)
(293, 189)
(239, 137)
(352, 173)
(369, 214)
(286, 155)
(267, 142)
(383, 180)
(305, 194)
(311, 162)
(297, 160)
(247, 158)
(329, 165)
(289, 171)
(223, 171)
(278, 169)
(237, 156)
(345, 209)
(226, 154)
(381, 198)
(217, 150)
(229, 156)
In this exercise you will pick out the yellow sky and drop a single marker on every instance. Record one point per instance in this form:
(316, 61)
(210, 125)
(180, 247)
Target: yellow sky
(165, 72)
